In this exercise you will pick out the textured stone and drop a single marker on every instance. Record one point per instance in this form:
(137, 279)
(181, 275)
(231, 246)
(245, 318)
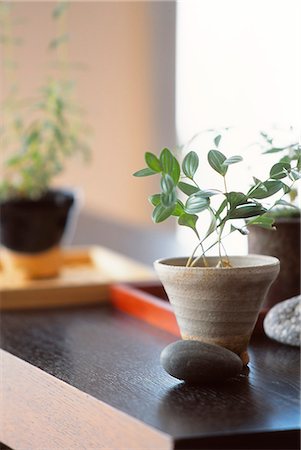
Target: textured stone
(199, 363)
(282, 322)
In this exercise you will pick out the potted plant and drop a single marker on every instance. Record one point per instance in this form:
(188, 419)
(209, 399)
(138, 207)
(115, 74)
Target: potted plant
(38, 138)
(286, 245)
(215, 299)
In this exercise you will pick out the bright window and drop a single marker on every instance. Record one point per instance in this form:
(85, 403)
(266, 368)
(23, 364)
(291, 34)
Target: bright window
(238, 64)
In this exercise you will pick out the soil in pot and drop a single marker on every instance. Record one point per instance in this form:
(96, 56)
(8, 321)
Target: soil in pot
(218, 305)
(31, 231)
(284, 244)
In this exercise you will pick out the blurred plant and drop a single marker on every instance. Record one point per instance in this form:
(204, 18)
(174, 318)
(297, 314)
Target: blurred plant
(38, 135)
(230, 205)
(290, 154)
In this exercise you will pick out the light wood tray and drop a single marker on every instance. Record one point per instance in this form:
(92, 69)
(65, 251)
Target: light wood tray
(85, 278)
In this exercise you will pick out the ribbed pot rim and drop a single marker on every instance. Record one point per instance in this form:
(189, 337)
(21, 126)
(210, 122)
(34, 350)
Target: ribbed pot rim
(266, 262)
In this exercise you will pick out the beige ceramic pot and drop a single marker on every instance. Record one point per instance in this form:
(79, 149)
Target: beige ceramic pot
(218, 305)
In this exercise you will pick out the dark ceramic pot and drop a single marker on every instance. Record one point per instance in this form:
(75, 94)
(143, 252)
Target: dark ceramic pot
(35, 228)
(284, 243)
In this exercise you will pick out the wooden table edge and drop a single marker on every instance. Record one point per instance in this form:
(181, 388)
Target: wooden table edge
(41, 410)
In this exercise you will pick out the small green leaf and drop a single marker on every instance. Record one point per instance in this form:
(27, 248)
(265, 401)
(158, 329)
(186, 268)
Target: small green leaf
(242, 231)
(236, 198)
(217, 140)
(155, 199)
(179, 209)
(216, 160)
(280, 170)
(286, 188)
(167, 183)
(221, 208)
(166, 160)
(212, 226)
(176, 171)
(262, 221)
(59, 9)
(189, 220)
(196, 203)
(161, 213)
(187, 189)
(152, 161)
(190, 164)
(274, 150)
(208, 193)
(56, 42)
(144, 172)
(266, 137)
(266, 189)
(285, 159)
(168, 199)
(285, 203)
(232, 160)
(295, 175)
(242, 212)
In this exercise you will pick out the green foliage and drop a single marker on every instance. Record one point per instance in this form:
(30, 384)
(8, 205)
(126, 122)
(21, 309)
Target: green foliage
(288, 166)
(228, 206)
(42, 133)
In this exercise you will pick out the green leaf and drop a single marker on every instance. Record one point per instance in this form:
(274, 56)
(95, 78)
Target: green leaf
(221, 208)
(217, 140)
(266, 189)
(236, 198)
(161, 213)
(196, 203)
(286, 188)
(285, 203)
(266, 137)
(144, 173)
(59, 9)
(176, 171)
(232, 160)
(242, 212)
(167, 184)
(152, 161)
(285, 159)
(298, 160)
(242, 231)
(155, 199)
(168, 199)
(216, 160)
(179, 209)
(189, 220)
(190, 164)
(274, 150)
(295, 175)
(280, 170)
(187, 189)
(262, 221)
(212, 226)
(56, 42)
(167, 161)
(206, 193)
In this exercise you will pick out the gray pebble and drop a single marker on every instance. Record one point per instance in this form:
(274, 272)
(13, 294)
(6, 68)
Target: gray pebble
(199, 363)
(282, 322)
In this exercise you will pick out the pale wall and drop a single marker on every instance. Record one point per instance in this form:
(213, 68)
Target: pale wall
(127, 91)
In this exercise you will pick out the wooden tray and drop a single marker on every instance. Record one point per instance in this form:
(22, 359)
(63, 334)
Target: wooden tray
(86, 276)
(148, 302)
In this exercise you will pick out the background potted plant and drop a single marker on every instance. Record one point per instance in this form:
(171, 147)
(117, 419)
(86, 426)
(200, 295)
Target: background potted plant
(286, 244)
(215, 299)
(37, 138)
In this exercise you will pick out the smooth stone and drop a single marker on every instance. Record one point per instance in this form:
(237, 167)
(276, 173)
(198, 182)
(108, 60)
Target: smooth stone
(282, 322)
(199, 363)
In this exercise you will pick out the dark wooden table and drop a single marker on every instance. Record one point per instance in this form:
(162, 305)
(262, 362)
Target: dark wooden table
(90, 378)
